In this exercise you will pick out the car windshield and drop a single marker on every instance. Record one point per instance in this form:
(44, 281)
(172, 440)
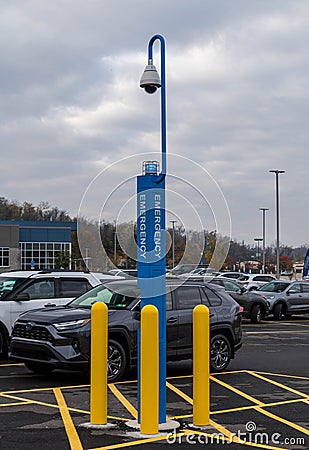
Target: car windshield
(7, 284)
(274, 286)
(196, 271)
(118, 298)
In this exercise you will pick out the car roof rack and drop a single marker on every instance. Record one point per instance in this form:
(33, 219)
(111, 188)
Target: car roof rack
(62, 270)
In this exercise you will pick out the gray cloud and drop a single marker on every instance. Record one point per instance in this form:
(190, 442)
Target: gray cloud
(237, 97)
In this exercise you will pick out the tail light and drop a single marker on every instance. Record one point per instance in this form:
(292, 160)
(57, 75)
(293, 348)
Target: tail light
(241, 309)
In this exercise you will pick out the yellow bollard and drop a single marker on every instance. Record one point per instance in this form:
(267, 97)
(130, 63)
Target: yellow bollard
(149, 370)
(201, 357)
(98, 364)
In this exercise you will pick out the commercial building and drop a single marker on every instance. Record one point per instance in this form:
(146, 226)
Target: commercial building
(33, 245)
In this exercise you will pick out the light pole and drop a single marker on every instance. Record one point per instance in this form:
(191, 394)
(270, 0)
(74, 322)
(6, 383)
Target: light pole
(173, 241)
(115, 244)
(263, 226)
(277, 172)
(151, 226)
(258, 240)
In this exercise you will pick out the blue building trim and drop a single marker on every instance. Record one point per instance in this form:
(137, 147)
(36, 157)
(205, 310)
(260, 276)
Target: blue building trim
(36, 231)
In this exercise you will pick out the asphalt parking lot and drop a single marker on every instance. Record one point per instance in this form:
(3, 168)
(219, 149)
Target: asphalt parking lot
(261, 402)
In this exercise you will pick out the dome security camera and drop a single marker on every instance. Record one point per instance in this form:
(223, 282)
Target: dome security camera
(150, 80)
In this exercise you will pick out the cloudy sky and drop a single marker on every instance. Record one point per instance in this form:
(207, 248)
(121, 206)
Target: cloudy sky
(72, 112)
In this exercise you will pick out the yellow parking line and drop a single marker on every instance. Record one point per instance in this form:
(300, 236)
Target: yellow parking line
(283, 375)
(294, 391)
(248, 397)
(70, 429)
(280, 419)
(185, 416)
(15, 397)
(123, 400)
(180, 393)
(221, 373)
(285, 402)
(131, 443)
(15, 403)
(221, 429)
(237, 391)
(11, 364)
(231, 410)
(21, 391)
(265, 405)
(36, 402)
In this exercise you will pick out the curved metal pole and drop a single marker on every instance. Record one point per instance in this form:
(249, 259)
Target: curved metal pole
(163, 99)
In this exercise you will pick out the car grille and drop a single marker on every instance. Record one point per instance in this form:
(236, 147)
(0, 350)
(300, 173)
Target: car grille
(36, 333)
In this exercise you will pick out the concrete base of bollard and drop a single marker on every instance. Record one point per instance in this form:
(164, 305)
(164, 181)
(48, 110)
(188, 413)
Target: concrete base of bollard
(200, 427)
(169, 425)
(97, 426)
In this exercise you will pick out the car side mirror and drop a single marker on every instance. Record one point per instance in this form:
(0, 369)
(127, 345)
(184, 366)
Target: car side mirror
(22, 297)
(137, 315)
(242, 290)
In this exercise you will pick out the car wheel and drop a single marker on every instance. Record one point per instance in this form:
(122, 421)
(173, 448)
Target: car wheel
(256, 314)
(220, 353)
(278, 312)
(39, 368)
(117, 361)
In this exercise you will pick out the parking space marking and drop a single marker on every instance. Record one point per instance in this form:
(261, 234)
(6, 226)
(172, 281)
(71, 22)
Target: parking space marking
(282, 375)
(236, 391)
(285, 402)
(26, 402)
(70, 429)
(123, 400)
(149, 440)
(180, 393)
(21, 391)
(282, 386)
(227, 435)
(14, 397)
(282, 420)
(37, 402)
(12, 364)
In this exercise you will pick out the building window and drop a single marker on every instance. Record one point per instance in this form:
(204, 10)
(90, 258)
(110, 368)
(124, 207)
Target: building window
(4, 257)
(41, 255)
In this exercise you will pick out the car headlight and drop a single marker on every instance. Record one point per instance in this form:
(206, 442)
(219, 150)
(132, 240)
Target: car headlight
(62, 326)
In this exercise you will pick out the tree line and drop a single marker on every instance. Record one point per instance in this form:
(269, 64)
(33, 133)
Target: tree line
(105, 241)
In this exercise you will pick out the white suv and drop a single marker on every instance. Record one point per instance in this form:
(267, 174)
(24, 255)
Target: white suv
(22, 291)
(249, 281)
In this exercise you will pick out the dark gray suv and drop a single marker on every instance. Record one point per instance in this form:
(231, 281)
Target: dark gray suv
(59, 337)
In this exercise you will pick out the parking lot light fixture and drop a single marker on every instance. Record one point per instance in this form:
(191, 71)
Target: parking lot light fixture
(264, 237)
(277, 172)
(258, 240)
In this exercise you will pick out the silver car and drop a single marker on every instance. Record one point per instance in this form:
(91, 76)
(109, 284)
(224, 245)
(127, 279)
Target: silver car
(286, 298)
